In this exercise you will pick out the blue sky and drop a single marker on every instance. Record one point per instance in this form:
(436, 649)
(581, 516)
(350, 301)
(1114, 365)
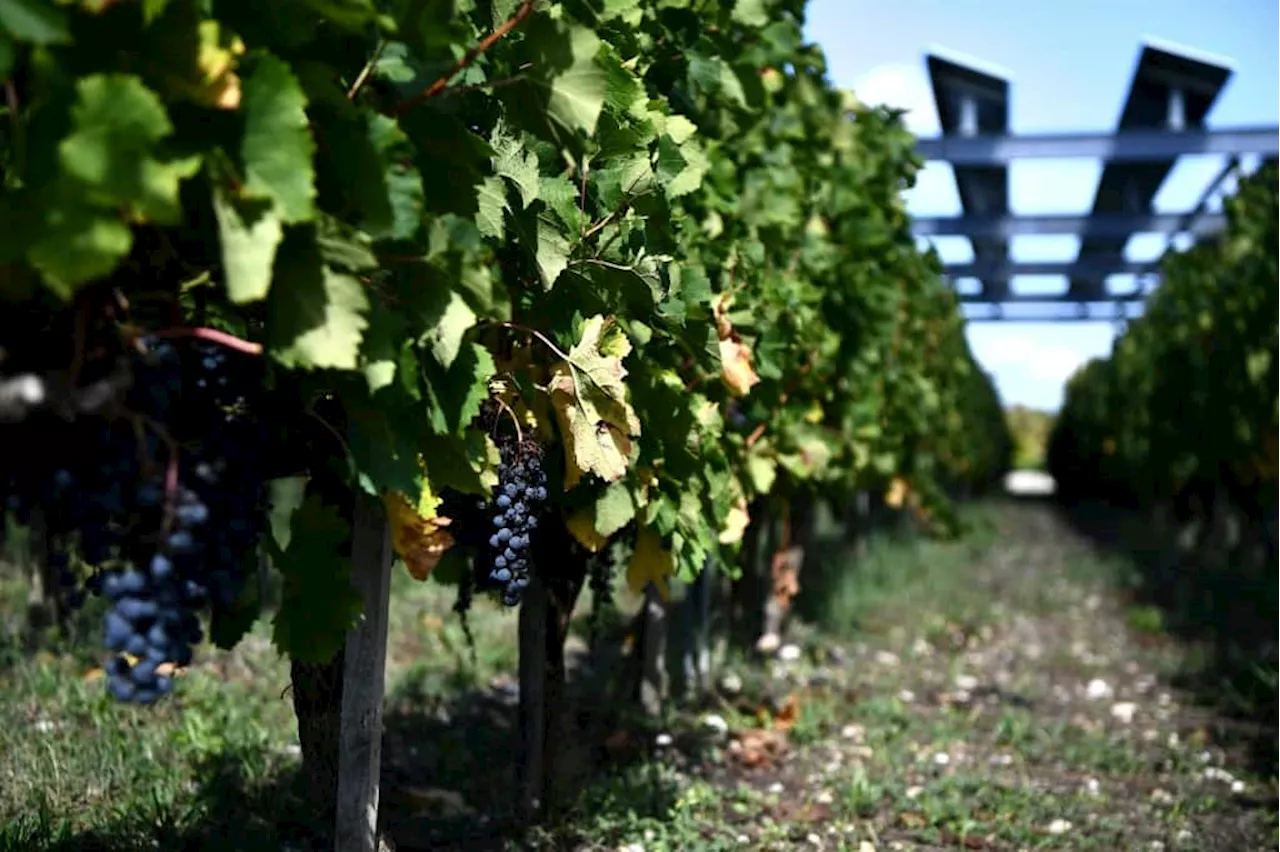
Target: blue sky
(1069, 64)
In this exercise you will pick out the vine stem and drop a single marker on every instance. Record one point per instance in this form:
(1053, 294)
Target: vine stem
(542, 337)
(363, 76)
(515, 421)
(213, 336)
(142, 422)
(11, 101)
(525, 10)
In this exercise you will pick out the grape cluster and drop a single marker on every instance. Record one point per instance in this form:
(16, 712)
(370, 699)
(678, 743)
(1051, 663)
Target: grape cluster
(521, 490)
(164, 498)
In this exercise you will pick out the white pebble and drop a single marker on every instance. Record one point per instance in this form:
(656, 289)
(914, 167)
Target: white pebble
(966, 682)
(716, 723)
(1122, 711)
(789, 653)
(1059, 826)
(1098, 689)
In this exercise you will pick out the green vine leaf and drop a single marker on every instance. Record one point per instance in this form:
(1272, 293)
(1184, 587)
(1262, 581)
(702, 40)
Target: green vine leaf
(34, 22)
(277, 148)
(318, 603)
(77, 244)
(114, 149)
(317, 314)
(250, 233)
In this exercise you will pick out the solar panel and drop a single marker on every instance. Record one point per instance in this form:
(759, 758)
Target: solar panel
(970, 102)
(1171, 90)
(1162, 118)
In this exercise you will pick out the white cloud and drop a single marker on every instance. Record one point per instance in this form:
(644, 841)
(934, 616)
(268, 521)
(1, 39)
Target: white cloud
(901, 86)
(1035, 360)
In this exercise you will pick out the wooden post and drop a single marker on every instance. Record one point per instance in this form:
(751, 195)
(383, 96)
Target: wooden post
(45, 607)
(544, 625)
(653, 653)
(747, 594)
(533, 636)
(695, 638)
(364, 676)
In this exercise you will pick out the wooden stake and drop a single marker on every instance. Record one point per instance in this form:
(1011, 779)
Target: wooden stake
(364, 678)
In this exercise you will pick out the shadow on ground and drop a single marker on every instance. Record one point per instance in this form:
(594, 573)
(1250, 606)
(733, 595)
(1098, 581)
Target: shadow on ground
(1217, 596)
(448, 783)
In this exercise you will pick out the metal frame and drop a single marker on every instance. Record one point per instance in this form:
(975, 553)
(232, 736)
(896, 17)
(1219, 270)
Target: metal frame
(974, 103)
(1092, 270)
(1172, 90)
(1131, 146)
(1060, 312)
(1010, 226)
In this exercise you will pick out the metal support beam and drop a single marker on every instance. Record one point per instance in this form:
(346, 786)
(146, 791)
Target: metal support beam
(1171, 93)
(1053, 312)
(973, 103)
(1176, 120)
(1012, 297)
(1131, 146)
(1085, 270)
(1007, 227)
(1196, 215)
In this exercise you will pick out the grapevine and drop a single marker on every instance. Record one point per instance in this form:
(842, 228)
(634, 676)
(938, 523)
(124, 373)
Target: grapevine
(678, 247)
(157, 490)
(1187, 402)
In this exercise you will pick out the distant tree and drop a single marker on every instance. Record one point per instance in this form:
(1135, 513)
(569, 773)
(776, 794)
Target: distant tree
(1030, 429)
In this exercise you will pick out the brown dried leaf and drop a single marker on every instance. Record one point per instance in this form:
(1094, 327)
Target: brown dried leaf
(786, 717)
(785, 571)
(735, 356)
(757, 747)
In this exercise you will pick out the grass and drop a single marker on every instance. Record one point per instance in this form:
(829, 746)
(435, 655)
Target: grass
(943, 698)
(78, 770)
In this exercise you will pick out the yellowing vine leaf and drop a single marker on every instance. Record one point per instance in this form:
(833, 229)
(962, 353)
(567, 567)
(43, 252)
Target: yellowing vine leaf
(420, 541)
(582, 525)
(589, 397)
(219, 85)
(735, 356)
(650, 563)
(898, 491)
(735, 525)
(594, 525)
